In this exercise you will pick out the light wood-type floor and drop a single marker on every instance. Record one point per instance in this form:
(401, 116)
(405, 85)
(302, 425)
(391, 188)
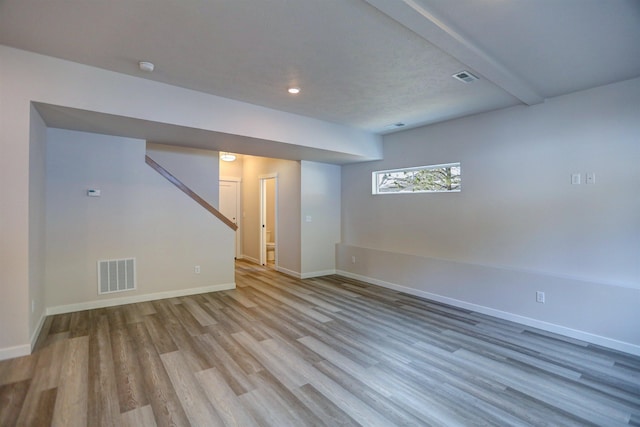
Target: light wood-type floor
(327, 351)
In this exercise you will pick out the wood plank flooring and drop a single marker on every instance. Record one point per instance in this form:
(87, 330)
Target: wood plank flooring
(326, 351)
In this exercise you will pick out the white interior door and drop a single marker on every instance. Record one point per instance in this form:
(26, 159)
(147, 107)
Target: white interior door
(229, 206)
(268, 215)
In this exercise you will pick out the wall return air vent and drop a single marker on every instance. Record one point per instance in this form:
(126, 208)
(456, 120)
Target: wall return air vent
(116, 275)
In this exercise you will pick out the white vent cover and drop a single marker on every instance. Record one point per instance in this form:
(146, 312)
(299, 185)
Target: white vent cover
(465, 76)
(116, 275)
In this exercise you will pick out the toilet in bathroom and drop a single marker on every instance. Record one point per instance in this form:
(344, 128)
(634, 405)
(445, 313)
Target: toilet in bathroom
(271, 247)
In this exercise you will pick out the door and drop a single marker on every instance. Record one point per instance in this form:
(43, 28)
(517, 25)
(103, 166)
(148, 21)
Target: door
(229, 201)
(268, 217)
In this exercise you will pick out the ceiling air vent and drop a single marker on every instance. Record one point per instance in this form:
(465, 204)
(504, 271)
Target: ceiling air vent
(465, 76)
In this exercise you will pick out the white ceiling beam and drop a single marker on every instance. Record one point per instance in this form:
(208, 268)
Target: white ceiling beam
(424, 22)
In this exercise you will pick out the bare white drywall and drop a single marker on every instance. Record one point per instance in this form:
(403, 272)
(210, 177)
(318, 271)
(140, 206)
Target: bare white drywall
(139, 215)
(517, 212)
(320, 211)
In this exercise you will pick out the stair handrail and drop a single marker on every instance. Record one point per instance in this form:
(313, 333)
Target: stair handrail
(189, 192)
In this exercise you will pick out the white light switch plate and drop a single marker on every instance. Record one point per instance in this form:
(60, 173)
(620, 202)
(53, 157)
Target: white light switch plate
(575, 178)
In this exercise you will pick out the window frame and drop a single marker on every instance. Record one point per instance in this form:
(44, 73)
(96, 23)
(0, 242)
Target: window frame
(375, 190)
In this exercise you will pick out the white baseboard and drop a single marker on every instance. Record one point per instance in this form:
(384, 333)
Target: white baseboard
(250, 259)
(69, 308)
(527, 321)
(288, 272)
(317, 274)
(15, 351)
(36, 332)
(293, 273)
(24, 349)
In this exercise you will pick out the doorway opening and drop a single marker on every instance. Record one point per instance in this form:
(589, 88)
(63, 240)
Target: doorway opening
(269, 221)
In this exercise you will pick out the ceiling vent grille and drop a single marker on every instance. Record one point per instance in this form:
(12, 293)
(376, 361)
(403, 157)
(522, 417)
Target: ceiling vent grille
(465, 76)
(116, 275)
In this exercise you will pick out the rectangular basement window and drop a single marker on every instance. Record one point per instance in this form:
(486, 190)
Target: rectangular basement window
(444, 178)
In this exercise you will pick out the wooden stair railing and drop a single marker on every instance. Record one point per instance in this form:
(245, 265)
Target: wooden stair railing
(189, 192)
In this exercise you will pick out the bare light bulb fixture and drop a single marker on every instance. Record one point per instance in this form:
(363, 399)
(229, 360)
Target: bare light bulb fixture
(294, 90)
(227, 157)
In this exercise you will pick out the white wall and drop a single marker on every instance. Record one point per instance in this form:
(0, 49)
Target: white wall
(288, 206)
(305, 249)
(14, 217)
(139, 214)
(37, 223)
(27, 77)
(518, 225)
(320, 202)
(197, 169)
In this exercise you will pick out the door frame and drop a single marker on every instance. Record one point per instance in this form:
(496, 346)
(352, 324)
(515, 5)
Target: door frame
(263, 216)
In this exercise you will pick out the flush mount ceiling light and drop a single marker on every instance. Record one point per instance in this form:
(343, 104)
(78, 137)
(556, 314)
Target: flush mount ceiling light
(145, 66)
(294, 90)
(227, 157)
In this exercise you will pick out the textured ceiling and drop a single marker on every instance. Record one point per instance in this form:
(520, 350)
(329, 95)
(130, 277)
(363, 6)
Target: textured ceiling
(558, 47)
(366, 64)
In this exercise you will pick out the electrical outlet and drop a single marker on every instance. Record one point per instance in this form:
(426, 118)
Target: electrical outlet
(196, 269)
(540, 297)
(353, 259)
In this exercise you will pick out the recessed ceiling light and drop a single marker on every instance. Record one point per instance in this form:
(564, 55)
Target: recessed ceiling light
(294, 90)
(145, 66)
